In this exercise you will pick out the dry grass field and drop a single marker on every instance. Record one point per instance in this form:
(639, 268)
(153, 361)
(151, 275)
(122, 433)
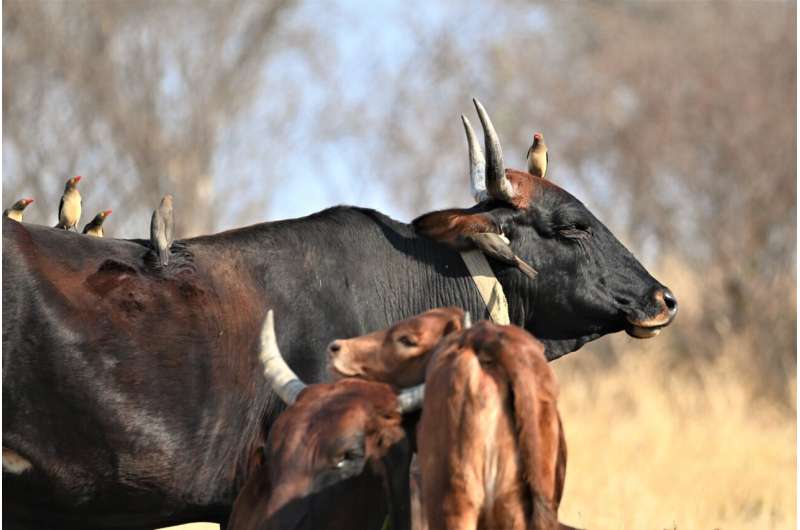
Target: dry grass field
(651, 450)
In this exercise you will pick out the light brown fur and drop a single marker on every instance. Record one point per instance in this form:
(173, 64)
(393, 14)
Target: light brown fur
(489, 438)
(396, 355)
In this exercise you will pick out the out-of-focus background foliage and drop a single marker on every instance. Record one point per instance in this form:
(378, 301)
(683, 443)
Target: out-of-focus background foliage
(675, 122)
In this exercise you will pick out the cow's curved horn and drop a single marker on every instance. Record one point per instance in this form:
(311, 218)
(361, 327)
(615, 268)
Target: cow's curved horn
(410, 399)
(477, 163)
(497, 184)
(283, 380)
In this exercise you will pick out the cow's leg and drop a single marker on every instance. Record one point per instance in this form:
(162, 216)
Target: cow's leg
(508, 512)
(459, 514)
(418, 520)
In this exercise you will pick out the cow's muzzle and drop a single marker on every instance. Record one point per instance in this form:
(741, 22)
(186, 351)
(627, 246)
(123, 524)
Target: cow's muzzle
(666, 307)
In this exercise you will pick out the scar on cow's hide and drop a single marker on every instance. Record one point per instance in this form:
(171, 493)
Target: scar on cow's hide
(189, 290)
(110, 275)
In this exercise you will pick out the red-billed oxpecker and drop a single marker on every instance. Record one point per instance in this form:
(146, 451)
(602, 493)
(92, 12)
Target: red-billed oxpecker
(464, 231)
(537, 156)
(95, 226)
(162, 229)
(336, 458)
(15, 210)
(69, 209)
(490, 445)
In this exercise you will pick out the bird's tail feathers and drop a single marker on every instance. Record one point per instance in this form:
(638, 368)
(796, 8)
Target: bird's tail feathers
(524, 267)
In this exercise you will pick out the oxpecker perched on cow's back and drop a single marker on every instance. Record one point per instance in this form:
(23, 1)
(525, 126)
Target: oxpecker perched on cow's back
(95, 226)
(537, 156)
(15, 210)
(69, 209)
(161, 229)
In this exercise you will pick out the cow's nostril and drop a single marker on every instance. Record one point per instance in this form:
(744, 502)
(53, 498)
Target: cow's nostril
(334, 347)
(670, 301)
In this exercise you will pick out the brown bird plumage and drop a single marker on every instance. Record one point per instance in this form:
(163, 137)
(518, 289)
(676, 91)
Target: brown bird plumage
(537, 156)
(161, 230)
(95, 226)
(499, 247)
(15, 210)
(462, 230)
(69, 209)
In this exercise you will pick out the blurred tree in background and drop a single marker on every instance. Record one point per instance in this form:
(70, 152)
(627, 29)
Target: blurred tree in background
(674, 122)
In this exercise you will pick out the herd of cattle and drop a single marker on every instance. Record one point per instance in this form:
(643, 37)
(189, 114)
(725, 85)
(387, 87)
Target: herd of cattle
(219, 385)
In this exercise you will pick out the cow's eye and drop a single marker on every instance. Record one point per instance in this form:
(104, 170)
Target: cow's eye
(347, 458)
(575, 231)
(407, 341)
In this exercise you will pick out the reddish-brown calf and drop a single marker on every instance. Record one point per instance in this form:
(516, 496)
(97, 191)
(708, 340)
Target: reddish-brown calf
(491, 448)
(472, 371)
(336, 458)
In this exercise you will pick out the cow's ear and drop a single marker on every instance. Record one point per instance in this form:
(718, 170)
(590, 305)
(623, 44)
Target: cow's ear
(456, 323)
(453, 227)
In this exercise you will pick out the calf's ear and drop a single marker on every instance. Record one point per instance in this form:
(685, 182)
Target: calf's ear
(452, 227)
(460, 320)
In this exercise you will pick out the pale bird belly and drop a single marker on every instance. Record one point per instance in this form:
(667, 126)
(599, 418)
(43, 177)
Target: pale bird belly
(15, 215)
(70, 212)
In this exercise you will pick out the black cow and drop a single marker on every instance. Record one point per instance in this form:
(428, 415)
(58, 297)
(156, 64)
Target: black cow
(132, 396)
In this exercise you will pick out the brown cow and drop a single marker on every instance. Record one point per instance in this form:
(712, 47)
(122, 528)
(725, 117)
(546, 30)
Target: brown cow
(400, 354)
(337, 458)
(491, 447)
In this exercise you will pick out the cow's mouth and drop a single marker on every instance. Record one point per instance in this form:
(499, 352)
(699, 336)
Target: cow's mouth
(339, 372)
(645, 330)
(640, 332)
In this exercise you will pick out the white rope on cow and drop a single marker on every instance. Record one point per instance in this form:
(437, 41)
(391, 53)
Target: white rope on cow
(488, 285)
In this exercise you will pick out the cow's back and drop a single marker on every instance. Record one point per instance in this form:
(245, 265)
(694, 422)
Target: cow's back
(121, 383)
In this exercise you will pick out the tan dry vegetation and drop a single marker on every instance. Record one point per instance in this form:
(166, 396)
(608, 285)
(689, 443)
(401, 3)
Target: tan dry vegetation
(649, 449)
(657, 441)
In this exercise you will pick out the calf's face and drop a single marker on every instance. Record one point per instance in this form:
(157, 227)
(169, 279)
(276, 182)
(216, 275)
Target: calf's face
(398, 354)
(337, 458)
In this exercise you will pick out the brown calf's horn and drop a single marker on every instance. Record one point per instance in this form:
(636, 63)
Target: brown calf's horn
(496, 182)
(283, 380)
(477, 163)
(410, 399)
